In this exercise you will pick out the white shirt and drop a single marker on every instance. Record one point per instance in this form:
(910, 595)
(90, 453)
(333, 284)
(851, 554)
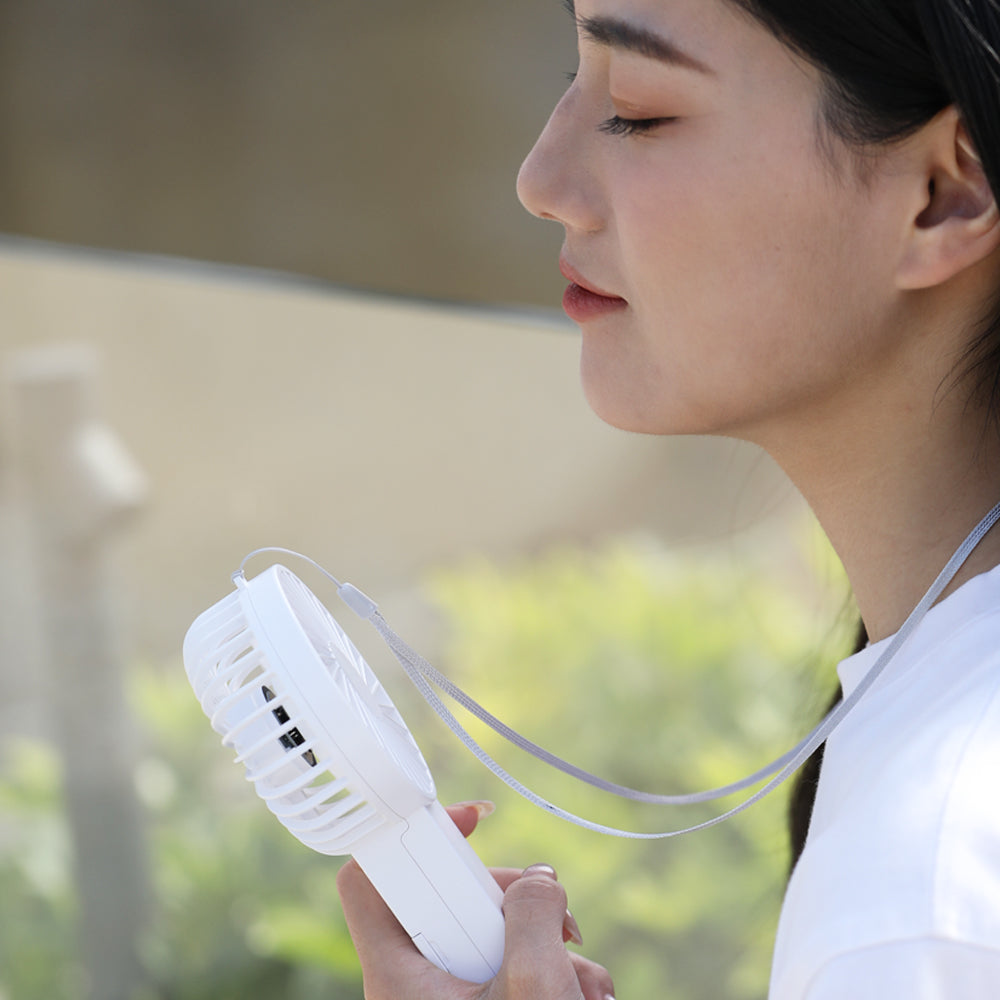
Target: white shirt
(897, 893)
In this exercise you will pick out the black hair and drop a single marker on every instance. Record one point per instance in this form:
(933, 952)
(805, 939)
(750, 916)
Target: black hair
(803, 797)
(888, 67)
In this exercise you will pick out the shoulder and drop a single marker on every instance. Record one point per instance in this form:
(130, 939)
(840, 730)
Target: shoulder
(902, 863)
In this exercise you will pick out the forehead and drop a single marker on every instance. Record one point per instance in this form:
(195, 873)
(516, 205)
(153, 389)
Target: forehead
(719, 35)
(701, 19)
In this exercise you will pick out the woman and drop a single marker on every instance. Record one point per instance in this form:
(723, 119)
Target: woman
(780, 226)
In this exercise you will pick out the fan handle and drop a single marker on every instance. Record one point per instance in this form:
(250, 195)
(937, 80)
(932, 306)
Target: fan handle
(440, 892)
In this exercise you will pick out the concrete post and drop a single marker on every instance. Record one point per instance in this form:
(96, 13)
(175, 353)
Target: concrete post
(80, 486)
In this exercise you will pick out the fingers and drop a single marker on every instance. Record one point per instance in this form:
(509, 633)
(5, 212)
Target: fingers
(388, 956)
(595, 980)
(466, 815)
(536, 962)
(535, 908)
(537, 923)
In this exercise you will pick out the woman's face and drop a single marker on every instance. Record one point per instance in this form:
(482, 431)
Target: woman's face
(745, 277)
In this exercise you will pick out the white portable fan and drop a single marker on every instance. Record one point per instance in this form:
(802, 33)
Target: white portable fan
(331, 756)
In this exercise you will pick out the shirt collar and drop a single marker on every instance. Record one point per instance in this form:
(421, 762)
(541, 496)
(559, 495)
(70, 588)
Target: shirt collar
(978, 596)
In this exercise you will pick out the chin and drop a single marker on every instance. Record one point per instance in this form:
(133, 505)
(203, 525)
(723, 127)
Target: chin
(609, 391)
(625, 411)
(630, 405)
(620, 409)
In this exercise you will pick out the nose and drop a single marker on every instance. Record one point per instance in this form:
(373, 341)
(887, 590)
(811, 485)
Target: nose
(558, 180)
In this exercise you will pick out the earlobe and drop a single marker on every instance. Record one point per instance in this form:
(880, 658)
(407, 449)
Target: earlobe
(958, 223)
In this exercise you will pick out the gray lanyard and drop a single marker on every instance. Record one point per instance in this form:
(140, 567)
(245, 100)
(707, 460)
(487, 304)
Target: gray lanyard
(426, 678)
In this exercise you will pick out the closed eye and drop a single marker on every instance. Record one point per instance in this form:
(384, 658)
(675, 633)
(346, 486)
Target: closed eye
(616, 125)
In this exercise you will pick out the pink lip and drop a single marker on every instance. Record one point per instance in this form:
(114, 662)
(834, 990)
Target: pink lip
(583, 301)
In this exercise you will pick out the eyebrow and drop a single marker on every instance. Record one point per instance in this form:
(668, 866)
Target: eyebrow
(615, 33)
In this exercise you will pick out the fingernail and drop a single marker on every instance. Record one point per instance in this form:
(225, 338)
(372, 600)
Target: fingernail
(483, 807)
(571, 932)
(540, 870)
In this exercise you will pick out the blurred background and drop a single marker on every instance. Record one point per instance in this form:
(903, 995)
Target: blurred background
(264, 280)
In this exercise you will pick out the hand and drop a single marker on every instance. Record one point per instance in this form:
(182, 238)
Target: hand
(536, 964)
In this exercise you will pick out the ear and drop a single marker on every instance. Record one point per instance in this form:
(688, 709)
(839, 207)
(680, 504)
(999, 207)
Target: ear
(956, 223)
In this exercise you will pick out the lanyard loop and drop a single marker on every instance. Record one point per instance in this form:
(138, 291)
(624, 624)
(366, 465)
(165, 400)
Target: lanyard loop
(426, 678)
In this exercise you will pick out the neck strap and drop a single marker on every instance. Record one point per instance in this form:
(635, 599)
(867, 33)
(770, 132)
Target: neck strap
(426, 678)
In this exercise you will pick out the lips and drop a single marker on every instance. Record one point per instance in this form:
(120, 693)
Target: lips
(584, 301)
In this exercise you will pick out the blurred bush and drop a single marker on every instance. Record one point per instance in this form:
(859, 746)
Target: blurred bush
(649, 670)
(660, 673)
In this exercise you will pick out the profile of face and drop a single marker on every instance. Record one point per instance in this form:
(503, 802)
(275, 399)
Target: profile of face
(744, 279)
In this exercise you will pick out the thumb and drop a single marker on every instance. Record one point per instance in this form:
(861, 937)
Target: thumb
(534, 913)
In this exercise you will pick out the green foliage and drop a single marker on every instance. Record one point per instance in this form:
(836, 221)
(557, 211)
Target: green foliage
(655, 673)
(241, 911)
(36, 899)
(650, 671)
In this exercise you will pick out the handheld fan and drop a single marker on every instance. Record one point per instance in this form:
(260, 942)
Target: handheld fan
(331, 756)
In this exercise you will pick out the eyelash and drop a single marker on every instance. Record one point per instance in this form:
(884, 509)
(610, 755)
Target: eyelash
(616, 125)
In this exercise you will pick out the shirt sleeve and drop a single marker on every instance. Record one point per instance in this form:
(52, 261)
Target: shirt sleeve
(915, 969)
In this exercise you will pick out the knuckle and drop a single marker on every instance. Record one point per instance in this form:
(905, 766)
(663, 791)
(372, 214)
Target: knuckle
(541, 889)
(519, 980)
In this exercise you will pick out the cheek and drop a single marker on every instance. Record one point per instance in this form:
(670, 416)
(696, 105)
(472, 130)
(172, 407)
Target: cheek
(724, 233)
(710, 258)
(743, 283)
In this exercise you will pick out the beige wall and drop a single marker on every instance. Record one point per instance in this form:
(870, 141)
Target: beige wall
(372, 142)
(379, 436)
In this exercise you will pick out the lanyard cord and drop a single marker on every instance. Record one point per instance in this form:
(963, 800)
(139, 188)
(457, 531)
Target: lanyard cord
(423, 676)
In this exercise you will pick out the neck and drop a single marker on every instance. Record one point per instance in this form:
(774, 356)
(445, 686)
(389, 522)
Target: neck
(897, 495)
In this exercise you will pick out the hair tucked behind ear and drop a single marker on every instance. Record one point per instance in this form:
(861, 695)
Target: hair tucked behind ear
(966, 54)
(888, 67)
(965, 47)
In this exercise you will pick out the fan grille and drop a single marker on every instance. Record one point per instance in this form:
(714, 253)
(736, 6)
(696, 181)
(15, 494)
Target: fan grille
(251, 704)
(357, 683)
